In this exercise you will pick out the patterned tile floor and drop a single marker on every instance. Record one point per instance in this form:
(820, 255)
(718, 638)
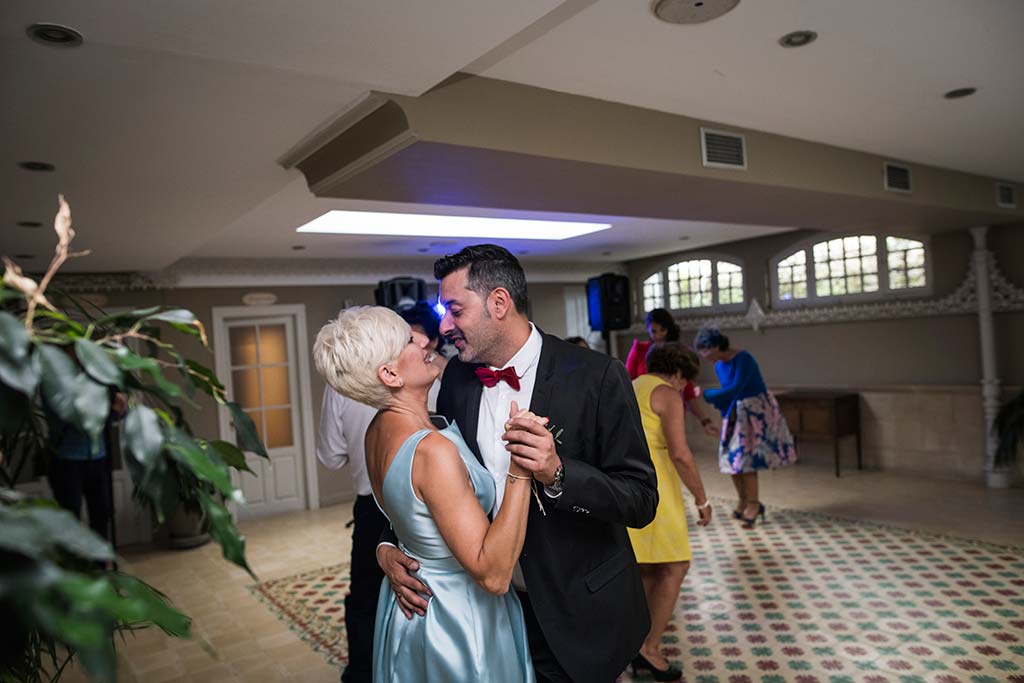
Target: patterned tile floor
(805, 598)
(253, 645)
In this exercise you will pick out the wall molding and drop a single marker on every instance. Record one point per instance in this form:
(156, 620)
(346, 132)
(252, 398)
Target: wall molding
(1006, 297)
(217, 273)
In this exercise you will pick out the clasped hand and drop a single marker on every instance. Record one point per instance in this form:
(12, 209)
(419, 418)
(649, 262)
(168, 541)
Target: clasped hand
(531, 445)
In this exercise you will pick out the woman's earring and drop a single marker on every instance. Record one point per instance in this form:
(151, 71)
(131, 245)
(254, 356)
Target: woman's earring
(401, 382)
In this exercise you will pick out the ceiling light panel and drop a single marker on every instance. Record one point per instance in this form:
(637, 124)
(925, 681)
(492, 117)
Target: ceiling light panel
(422, 225)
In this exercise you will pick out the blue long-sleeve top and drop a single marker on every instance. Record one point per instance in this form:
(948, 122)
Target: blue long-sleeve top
(740, 378)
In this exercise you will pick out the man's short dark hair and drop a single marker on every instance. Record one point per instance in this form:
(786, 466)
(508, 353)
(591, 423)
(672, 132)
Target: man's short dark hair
(490, 267)
(667, 358)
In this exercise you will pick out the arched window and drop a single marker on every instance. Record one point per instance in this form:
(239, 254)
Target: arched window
(850, 266)
(703, 282)
(654, 292)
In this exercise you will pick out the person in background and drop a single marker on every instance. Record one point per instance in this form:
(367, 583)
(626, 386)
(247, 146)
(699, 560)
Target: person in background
(661, 327)
(80, 469)
(578, 341)
(340, 442)
(663, 547)
(755, 436)
(423, 319)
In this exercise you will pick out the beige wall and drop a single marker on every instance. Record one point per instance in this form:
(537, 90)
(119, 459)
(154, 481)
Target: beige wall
(918, 377)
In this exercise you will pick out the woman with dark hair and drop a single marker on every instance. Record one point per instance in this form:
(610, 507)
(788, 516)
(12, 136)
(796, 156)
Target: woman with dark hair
(422, 318)
(754, 432)
(663, 547)
(661, 327)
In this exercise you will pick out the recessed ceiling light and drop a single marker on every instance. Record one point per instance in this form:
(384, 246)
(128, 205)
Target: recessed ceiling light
(523, 251)
(606, 253)
(960, 92)
(423, 250)
(424, 225)
(41, 166)
(297, 247)
(54, 35)
(684, 238)
(691, 11)
(798, 38)
(29, 224)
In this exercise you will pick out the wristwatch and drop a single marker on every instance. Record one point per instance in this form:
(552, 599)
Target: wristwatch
(556, 485)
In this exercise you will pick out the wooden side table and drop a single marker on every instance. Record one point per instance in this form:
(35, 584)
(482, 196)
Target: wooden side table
(823, 415)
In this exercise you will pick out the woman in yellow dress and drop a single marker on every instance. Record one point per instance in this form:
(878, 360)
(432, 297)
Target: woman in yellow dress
(663, 547)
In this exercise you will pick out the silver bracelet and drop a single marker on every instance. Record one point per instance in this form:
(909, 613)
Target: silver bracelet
(706, 504)
(517, 476)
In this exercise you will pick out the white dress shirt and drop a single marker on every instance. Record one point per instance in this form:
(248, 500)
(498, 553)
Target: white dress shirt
(342, 437)
(495, 403)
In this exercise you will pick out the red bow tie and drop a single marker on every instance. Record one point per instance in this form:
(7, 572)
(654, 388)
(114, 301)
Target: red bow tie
(491, 377)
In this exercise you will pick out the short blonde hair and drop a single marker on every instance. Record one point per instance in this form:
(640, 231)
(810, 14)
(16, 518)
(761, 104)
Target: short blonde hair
(350, 349)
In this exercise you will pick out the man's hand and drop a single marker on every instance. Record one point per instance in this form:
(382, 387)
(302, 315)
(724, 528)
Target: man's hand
(398, 568)
(532, 446)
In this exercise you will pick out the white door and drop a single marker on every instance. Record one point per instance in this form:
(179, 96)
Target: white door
(261, 375)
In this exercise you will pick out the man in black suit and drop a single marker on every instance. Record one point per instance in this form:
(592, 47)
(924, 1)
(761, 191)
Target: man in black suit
(577, 578)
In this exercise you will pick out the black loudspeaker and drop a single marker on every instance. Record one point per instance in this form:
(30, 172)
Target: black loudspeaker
(608, 302)
(400, 293)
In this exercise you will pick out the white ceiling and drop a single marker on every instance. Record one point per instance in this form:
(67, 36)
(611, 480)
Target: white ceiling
(873, 81)
(167, 124)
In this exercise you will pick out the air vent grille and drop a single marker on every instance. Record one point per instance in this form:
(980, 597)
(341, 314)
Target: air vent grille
(897, 178)
(720, 149)
(1006, 196)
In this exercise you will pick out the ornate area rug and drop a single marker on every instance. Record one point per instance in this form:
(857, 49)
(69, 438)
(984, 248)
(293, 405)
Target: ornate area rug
(803, 598)
(313, 606)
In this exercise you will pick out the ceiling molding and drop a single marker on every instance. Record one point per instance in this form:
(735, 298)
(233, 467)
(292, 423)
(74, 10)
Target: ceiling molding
(481, 142)
(333, 127)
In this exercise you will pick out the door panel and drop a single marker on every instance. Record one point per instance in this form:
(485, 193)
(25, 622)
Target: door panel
(261, 355)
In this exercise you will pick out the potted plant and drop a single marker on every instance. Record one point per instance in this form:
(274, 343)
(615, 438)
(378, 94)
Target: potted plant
(1008, 428)
(57, 592)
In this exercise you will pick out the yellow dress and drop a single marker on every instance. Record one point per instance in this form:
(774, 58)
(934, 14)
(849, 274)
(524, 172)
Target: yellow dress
(665, 539)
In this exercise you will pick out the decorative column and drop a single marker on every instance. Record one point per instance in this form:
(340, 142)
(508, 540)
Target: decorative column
(989, 378)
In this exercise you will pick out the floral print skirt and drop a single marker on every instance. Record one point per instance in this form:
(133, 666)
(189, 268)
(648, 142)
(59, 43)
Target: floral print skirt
(755, 437)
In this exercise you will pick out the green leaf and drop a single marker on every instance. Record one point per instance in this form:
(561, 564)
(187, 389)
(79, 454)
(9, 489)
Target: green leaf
(64, 529)
(6, 294)
(187, 451)
(14, 337)
(98, 363)
(204, 378)
(177, 315)
(231, 456)
(128, 360)
(127, 315)
(245, 430)
(156, 607)
(21, 375)
(14, 409)
(92, 404)
(58, 375)
(223, 530)
(141, 435)
(19, 368)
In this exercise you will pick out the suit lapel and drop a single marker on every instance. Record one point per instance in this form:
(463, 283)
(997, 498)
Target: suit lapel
(540, 401)
(471, 416)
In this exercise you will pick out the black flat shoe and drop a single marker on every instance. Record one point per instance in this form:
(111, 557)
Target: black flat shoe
(640, 663)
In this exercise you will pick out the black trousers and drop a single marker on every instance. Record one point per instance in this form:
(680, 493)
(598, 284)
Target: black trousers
(71, 480)
(364, 588)
(545, 665)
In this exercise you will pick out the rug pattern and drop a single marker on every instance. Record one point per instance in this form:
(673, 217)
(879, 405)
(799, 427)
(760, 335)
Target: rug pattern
(803, 598)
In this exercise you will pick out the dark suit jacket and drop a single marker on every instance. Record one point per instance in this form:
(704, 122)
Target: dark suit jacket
(577, 561)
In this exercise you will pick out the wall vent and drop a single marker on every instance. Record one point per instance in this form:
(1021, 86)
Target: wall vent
(1006, 196)
(720, 149)
(896, 178)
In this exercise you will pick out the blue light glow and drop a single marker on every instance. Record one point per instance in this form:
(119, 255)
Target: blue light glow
(439, 309)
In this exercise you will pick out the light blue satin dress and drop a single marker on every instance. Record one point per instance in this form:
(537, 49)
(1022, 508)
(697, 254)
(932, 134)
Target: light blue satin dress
(467, 634)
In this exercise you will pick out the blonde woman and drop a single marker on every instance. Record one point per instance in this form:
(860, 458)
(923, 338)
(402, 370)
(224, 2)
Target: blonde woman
(437, 498)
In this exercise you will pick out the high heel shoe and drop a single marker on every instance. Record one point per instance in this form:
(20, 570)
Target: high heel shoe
(749, 522)
(640, 663)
